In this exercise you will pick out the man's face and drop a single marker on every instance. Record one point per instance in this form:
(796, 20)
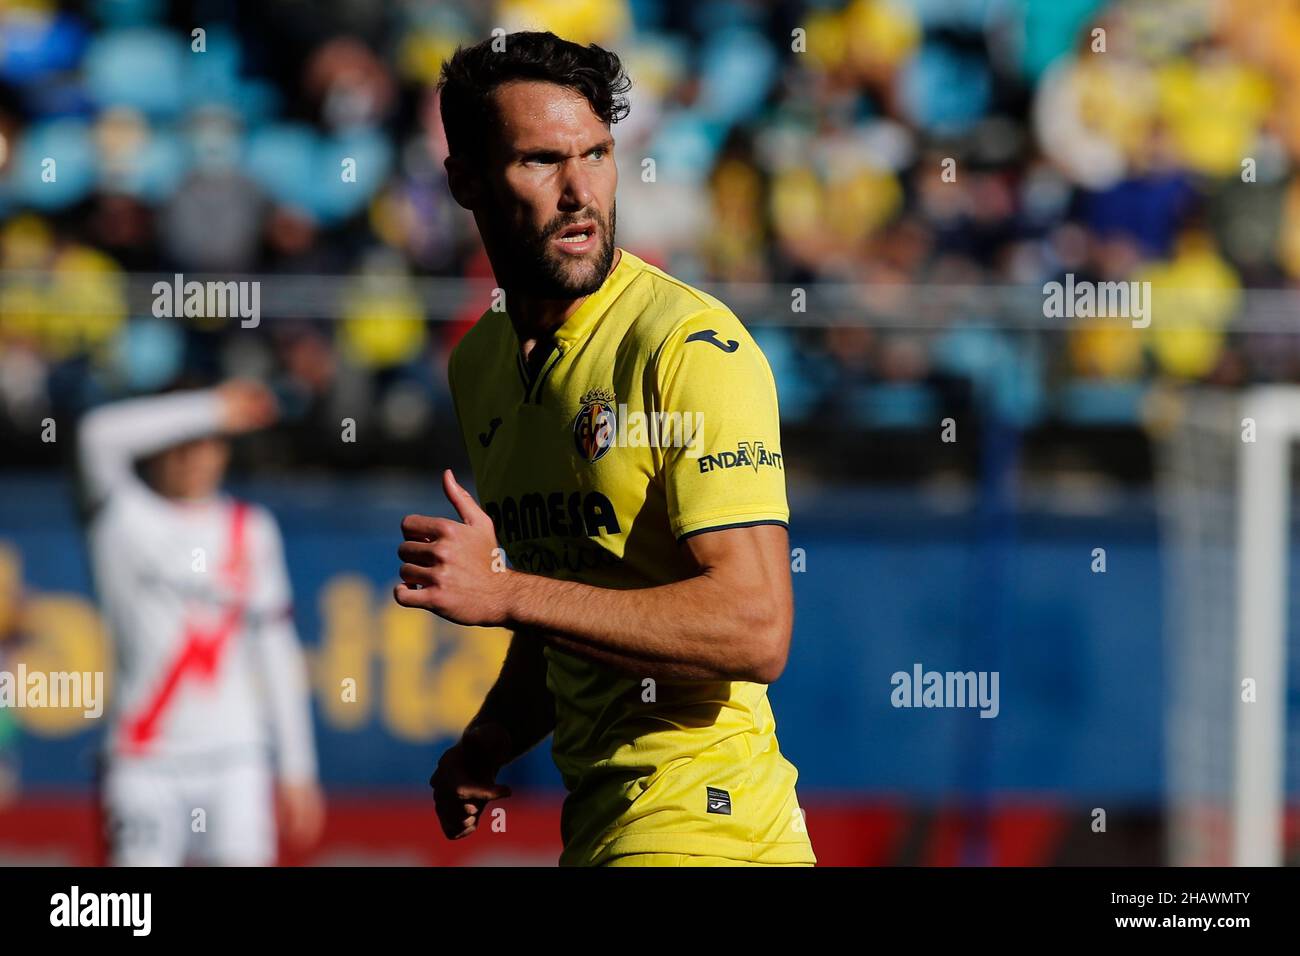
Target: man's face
(548, 214)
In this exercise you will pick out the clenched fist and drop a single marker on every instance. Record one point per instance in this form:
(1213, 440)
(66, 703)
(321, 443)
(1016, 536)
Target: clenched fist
(466, 779)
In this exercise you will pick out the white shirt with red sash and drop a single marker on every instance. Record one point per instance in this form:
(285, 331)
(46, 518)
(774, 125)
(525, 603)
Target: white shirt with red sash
(197, 600)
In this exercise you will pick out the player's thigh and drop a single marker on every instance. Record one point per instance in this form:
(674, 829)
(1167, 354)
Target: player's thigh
(240, 816)
(144, 815)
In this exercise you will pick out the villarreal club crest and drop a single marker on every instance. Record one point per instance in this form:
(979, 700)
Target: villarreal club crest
(596, 424)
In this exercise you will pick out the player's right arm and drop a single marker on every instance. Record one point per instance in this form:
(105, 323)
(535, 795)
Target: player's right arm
(517, 714)
(114, 437)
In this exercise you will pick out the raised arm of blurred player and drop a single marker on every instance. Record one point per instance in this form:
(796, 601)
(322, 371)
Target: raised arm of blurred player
(516, 715)
(114, 437)
(283, 675)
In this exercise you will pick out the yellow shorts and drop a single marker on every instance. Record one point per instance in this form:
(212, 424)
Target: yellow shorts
(684, 859)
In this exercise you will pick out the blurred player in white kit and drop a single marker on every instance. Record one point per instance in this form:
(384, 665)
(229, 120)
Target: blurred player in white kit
(210, 675)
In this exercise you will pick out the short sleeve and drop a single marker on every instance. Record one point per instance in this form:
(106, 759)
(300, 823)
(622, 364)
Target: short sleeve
(722, 466)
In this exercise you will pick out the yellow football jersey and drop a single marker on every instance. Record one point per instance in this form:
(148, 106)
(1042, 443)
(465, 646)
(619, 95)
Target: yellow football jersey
(654, 418)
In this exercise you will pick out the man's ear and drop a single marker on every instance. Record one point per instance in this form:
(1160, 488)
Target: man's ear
(465, 185)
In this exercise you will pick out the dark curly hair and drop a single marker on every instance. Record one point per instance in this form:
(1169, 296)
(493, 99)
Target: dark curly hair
(472, 74)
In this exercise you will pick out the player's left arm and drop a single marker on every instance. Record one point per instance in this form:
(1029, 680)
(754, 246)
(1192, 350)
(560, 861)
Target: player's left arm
(731, 619)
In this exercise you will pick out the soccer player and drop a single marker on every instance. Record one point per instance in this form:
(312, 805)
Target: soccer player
(648, 585)
(209, 672)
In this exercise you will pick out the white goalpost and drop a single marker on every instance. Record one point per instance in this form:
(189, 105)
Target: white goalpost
(1224, 487)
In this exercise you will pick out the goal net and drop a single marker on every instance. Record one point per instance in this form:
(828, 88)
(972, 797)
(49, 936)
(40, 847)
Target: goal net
(1232, 617)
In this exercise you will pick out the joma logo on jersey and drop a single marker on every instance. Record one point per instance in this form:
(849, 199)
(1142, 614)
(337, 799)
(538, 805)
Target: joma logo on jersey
(538, 515)
(747, 453)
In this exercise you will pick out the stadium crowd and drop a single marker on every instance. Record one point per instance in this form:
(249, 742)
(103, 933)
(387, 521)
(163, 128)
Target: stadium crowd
(899, 146)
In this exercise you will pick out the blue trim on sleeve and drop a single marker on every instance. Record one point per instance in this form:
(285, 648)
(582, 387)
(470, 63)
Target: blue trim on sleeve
(738, 524)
